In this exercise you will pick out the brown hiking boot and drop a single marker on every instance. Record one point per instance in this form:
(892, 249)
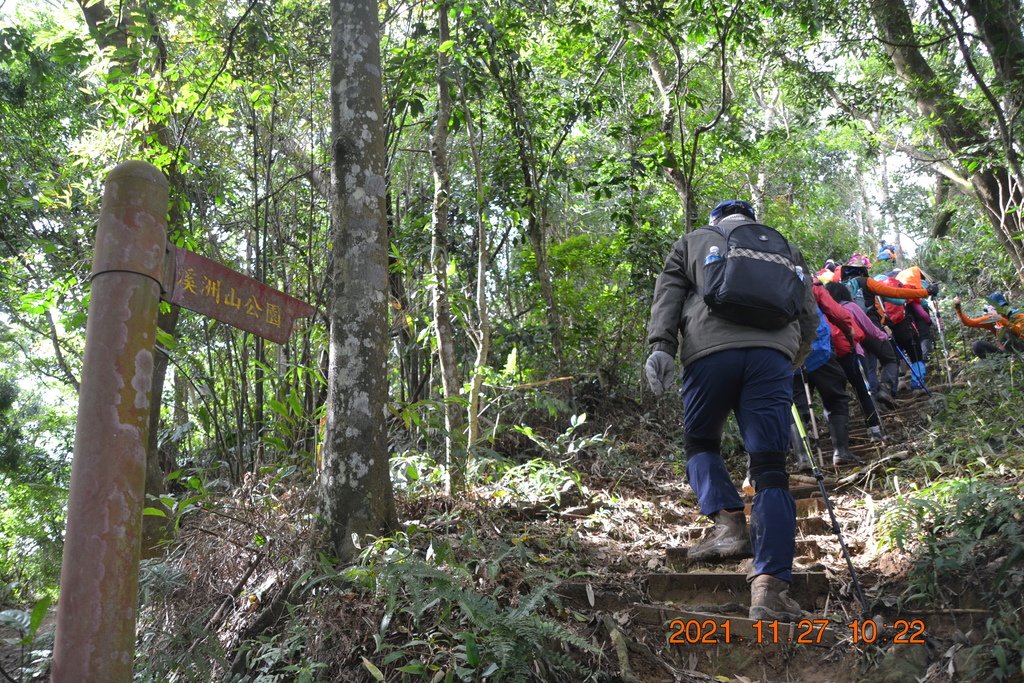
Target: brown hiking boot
(769, 599)
(728, 539)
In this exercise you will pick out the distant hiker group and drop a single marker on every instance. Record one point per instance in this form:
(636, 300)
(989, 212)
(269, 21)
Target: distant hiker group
(757, 332)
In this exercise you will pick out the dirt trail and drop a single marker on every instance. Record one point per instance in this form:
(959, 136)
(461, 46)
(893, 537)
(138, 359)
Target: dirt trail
(669, 620)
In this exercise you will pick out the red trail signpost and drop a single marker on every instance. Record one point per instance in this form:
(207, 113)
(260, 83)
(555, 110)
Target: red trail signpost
(133, 268)
(207, 287)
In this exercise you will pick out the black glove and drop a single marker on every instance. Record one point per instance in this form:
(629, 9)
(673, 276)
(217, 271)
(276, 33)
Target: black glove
(933, 290)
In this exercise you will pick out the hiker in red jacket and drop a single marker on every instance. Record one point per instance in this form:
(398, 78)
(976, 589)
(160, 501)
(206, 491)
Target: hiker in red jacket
(850, 356)
(870, 293)
(823, 373)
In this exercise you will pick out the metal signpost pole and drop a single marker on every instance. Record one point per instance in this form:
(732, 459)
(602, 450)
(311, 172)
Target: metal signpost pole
(99, 577)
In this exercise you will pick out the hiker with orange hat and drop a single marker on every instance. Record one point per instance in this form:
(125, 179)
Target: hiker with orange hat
(919, 309)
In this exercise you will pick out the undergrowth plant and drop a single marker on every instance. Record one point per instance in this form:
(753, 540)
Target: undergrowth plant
(957, 510)
(448, 620)
(977, 427)
(34, 652)
(966, 537)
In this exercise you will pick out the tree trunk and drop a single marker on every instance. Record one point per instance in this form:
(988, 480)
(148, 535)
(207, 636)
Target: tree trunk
(672, 169)
(956, 126)
(156, 529)
(354, 487)
(999, 25)
(451, 382)
(531, 189)
(483, 266)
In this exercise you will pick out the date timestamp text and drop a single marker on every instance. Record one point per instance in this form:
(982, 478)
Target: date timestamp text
(803, 632)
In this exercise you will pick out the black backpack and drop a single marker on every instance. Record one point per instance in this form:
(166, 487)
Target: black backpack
(755, 282)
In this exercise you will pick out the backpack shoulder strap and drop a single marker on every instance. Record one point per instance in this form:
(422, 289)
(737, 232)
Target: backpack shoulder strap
(713, 228)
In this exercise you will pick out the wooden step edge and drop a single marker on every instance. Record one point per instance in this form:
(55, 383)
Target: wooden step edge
(585, 595)
(668, 586)
(804, 506)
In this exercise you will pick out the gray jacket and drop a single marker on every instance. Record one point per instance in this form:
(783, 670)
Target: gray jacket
(679, 311)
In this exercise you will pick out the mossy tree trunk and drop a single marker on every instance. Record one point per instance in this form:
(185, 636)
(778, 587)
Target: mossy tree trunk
(354, 486)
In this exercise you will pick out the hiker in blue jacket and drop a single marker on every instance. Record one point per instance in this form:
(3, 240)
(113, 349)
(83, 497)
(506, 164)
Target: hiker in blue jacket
(733, 367)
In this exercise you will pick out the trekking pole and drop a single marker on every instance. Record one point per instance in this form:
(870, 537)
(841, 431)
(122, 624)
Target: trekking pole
(942, 337)
(810, 405)
(832, 515)
(867, 385)
(906, 360)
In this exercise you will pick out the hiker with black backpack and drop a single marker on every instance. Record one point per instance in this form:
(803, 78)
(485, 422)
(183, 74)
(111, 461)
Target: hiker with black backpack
(734, 301)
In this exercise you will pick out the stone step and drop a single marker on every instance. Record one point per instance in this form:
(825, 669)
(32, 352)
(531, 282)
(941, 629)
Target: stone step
(701, 629)
(808, 588)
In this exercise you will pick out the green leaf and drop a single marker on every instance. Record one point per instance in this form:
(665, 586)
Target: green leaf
(446, 46)
(39, 613)
(374, 671)
(472, 651)
(153, 512)
(999, 652)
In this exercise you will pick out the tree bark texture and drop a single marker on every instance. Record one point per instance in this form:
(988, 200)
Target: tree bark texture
(354, 486)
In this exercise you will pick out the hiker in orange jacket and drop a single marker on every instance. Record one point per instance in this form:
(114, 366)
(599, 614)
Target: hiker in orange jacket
(1006, 323)
(918, 309)
(870, 294)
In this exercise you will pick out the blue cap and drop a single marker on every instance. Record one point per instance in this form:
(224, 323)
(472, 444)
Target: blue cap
(998, 299)
(732, 206)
